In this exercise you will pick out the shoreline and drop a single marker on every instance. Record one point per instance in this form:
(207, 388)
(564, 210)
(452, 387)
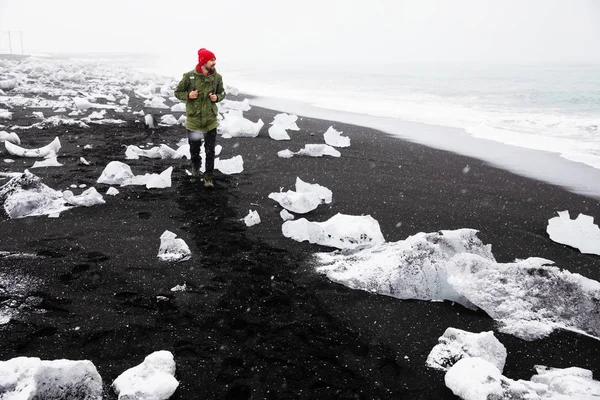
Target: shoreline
(547, 166)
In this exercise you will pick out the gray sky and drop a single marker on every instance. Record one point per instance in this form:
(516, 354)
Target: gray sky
(315, 32)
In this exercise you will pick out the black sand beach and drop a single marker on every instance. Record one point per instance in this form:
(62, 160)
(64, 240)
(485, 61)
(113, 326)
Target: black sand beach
(259, 323)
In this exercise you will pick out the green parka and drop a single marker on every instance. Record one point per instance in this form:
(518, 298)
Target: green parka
(201, 113)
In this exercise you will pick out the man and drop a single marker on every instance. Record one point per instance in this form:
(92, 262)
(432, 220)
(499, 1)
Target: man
(201, 89)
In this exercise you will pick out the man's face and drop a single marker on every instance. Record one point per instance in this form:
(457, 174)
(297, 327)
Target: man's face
(210, 65)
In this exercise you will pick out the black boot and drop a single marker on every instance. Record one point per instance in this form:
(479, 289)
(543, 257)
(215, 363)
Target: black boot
(208, 180)
(195, 170)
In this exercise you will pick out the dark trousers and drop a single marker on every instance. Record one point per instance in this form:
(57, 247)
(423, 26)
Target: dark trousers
(210, 141)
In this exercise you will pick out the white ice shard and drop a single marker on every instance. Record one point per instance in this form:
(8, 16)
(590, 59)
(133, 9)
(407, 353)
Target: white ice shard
(340, 231)
(237, 126)
(8, 84)
(322, 192)
(474, 378)
(287, 153)
(155, 102)
(19, 151)
(243, 105)
(112, 191)
(300, 203)
(318, 150)
(335, 138)
(10, 137)
(154, 379)
(83, 161)
(252, 218)
(277, 132)
(82, 103)
(168, 119)
(133, 152)
(5, 114)
(580, 233)
(286, 215)
(87, 198)
(31, 378)
(48, 162)
(160, 181)
(173, 248)
(25, 195)
(149, 121)
(234, 165)
(116, 173)
(286, 121)
(456, 344)
(526, 297)
(179, 107)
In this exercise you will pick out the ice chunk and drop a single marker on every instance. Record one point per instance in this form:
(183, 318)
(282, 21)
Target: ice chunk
(179, 107)
(168, 119)
(48, 162)
(88, 198)
(134, 152)
(179, 288)
(318, 150)
(25, 195)
(32, 378)
(580, 233)
(112, 191)
(237, 126)
(322, 192)
(285, 153)
(335, 138)
(151, 380)
(5, 114)
(155, 102)
(456, 344)
(173, 248)
(243, 105)
(10, 137)
(8, 84)
(300, 203)
(15, 150)
(277, 132)
(234, 165)
(528, 297)
(116, 173)
(149, 121)
(340, 231)
(286, 215)
(476, 379)
(252, 218)
(82, 103)
(414, 268)
(286, 121)
(160, 181)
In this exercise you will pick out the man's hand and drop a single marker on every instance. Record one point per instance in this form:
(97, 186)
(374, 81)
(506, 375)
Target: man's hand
(212, 97)
(193, 94)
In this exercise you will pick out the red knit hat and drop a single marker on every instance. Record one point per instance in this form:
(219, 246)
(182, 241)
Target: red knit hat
(204, 56)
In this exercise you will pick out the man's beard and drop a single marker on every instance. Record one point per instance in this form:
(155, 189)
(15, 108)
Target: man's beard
(210, 69)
